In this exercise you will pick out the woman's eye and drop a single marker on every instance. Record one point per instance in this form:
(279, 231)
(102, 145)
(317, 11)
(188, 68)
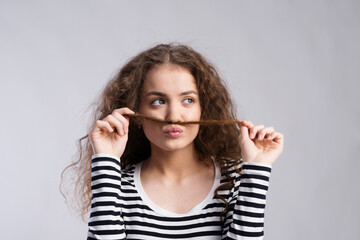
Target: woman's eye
(189, 100)
(157, 102)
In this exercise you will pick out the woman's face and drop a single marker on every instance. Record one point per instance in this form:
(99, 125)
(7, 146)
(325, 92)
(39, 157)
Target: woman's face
(170, 93)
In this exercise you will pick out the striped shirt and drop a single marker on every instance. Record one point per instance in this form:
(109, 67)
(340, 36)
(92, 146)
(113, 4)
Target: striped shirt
(120, 208)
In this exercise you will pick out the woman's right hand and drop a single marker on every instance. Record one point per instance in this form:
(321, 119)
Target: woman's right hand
(104, 138)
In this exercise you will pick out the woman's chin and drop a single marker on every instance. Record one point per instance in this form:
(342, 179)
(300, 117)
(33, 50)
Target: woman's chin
(172, 146)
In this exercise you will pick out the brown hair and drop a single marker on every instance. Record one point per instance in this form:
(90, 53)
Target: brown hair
(220, 142)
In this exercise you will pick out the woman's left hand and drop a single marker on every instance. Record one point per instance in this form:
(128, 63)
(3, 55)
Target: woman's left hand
(260, 144)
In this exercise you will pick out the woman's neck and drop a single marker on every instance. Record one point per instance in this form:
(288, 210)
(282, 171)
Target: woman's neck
(173, 164)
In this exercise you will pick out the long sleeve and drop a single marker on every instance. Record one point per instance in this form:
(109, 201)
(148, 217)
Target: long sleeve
(105, 217)
(248, 214)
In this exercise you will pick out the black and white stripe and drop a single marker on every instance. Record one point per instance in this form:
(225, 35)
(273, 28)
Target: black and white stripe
(119, 212)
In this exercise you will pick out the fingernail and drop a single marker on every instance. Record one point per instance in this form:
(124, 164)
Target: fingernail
(261, 136)
(252, 135)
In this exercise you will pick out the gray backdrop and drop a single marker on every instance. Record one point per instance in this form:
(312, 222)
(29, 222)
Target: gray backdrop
(293, 65)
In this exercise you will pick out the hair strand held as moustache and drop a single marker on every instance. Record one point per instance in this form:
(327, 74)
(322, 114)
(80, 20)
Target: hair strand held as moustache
(137, 116)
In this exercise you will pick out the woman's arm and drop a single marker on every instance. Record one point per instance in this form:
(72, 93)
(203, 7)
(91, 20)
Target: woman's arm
(248, 215)
(260, 147)
(108, 139)
(105, 217)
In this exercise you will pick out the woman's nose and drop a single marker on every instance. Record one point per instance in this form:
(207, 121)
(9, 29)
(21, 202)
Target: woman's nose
(173, 113)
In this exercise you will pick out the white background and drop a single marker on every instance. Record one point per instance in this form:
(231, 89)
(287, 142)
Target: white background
(294, 65)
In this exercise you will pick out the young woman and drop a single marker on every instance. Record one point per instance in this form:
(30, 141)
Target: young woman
(150, 180)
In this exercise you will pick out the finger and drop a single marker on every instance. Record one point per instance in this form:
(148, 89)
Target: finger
(124, 110)
(254, 130)
(244, 130)
(104, 126)
(279, 138)
(264, 131)
(247, 124)
(271, 136)
(115, 124)
(123, 120)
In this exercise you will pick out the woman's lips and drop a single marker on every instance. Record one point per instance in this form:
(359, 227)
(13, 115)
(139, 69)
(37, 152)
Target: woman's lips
(174, 132)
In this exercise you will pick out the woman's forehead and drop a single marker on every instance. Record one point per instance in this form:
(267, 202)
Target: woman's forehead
(168, 77)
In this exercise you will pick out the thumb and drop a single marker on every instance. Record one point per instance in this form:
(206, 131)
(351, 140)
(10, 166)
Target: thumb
(244, 133)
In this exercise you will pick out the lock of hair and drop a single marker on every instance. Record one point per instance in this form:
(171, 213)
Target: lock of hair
(137, 116)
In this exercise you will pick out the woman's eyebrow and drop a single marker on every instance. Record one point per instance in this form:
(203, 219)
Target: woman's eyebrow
(156, 94)
(164, 95)
(188, 92)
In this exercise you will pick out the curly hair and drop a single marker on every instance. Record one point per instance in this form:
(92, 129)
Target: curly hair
(219, 142)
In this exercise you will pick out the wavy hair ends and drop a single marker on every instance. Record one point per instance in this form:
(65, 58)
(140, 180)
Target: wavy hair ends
(220, 142)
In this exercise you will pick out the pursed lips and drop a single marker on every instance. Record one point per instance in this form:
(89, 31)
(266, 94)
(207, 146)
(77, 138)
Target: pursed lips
(174, 131)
